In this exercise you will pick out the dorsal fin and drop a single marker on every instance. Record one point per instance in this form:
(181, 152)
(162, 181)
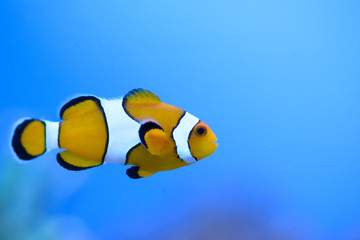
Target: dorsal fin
(141, 96)
(84, 131)
(79, 106)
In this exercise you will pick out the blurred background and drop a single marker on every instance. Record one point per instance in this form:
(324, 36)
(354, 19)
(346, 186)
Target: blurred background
(277, 81)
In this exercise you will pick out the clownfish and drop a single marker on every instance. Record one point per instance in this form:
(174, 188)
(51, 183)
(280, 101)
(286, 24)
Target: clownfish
(137, 129)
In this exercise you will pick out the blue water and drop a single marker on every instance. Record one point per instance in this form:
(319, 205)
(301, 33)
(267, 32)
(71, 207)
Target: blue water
(277, 81)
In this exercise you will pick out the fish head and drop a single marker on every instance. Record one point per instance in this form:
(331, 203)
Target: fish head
(202, 141)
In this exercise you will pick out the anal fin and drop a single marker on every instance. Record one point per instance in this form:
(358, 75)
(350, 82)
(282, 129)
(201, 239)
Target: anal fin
(136, 172)
(75, 162)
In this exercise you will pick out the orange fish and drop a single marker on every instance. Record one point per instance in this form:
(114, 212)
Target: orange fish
(137, 129)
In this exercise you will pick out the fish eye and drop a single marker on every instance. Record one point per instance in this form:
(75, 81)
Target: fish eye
(200, 131)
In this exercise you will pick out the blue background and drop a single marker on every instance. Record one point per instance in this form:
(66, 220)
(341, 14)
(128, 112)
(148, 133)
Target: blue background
(277, 81)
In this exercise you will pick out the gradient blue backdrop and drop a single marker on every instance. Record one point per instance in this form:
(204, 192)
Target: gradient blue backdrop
(278, 82)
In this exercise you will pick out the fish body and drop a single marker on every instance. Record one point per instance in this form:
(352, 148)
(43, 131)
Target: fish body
(137, 130)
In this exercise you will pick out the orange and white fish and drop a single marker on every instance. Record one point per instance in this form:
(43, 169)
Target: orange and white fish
(137, 129)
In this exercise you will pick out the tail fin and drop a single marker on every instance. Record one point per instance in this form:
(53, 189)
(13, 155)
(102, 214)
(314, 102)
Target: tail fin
(33, 137)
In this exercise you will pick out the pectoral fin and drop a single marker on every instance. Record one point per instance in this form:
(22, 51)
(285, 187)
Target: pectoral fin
(157, 143)
(155, 140)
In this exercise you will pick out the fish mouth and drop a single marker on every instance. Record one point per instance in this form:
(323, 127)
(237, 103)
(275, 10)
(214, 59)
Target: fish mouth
(213, 147)
(215, 143)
